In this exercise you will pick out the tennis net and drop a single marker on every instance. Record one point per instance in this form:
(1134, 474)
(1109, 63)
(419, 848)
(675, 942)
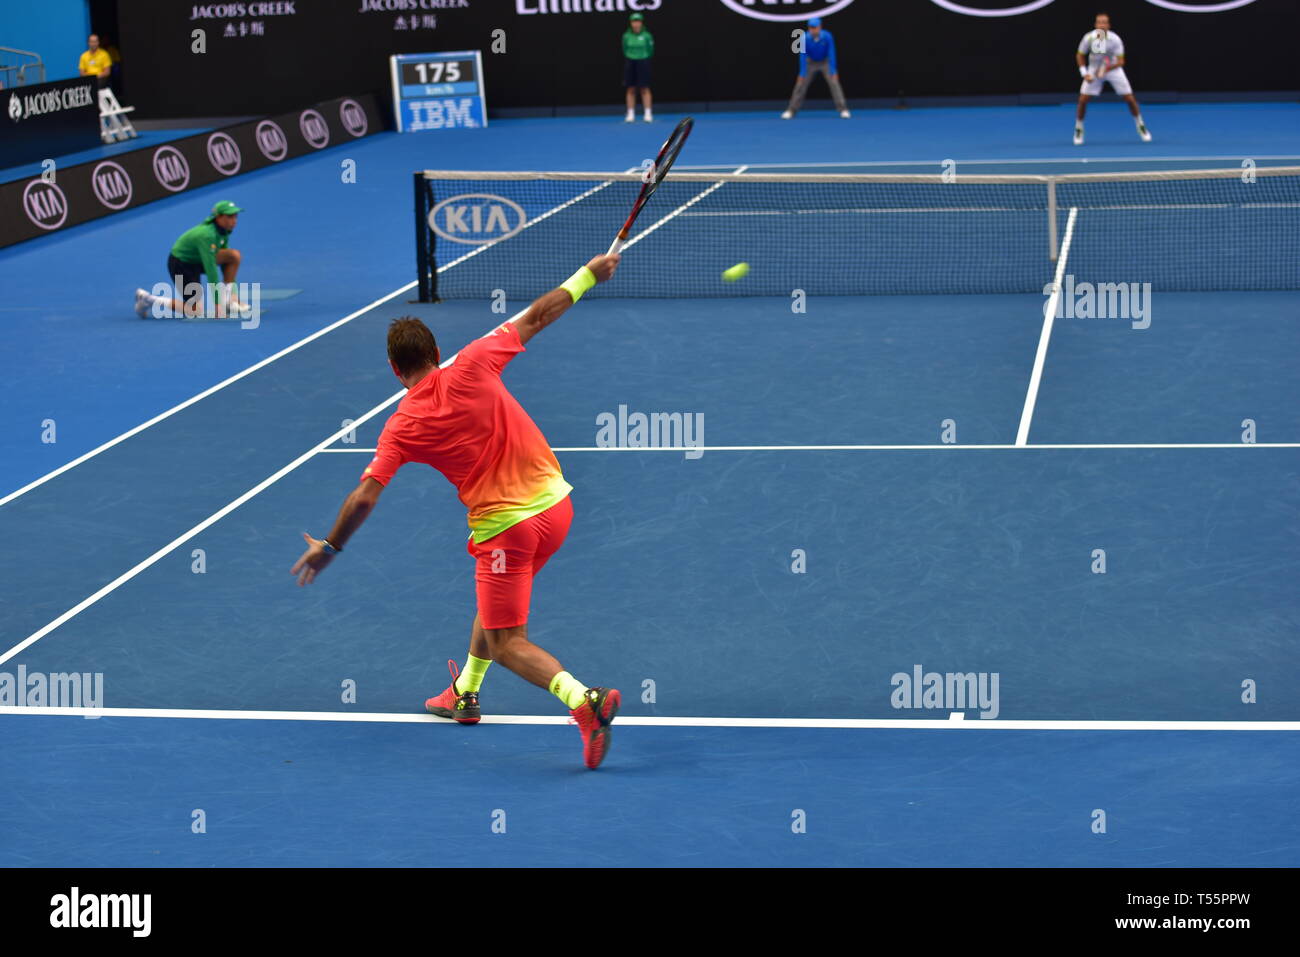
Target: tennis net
(480, 234)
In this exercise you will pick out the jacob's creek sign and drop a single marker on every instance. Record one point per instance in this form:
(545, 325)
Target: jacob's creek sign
(48, 119)
(23, 106)
(60, 197)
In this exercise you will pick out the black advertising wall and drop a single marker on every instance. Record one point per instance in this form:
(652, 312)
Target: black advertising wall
(268, 55)
(48, 119)
(45, 204)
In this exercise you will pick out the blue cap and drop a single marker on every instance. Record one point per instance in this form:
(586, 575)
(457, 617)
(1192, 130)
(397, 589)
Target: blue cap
(815, 22)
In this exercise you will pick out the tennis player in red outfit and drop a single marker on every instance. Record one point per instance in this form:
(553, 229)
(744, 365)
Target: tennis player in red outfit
(462, 421)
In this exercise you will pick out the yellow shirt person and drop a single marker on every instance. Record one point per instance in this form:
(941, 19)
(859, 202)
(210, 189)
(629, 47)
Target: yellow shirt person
(95, 61)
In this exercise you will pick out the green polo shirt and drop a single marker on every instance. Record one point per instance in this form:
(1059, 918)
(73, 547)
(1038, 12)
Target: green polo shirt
(638, 46)
(200, 245)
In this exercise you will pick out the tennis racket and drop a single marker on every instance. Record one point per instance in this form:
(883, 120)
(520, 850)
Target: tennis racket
(653, 177)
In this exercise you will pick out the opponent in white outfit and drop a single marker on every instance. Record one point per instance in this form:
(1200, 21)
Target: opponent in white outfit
(1100, 58)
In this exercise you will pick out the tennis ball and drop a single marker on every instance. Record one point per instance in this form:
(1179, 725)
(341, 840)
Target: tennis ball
(738, 271)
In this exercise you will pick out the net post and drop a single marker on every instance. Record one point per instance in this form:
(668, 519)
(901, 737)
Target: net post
(421, 243)
(425, 268)
(1051, 218)
(425, 228)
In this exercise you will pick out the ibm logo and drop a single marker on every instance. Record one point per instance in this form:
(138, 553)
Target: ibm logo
(440, 114)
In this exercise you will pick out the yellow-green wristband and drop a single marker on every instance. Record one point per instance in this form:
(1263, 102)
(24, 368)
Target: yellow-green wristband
(579, 282)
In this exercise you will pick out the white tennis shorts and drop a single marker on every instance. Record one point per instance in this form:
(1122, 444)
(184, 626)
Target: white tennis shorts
(1116, 78)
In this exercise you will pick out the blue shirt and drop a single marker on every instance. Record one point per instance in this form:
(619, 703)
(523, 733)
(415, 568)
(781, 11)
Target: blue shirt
(823, 48)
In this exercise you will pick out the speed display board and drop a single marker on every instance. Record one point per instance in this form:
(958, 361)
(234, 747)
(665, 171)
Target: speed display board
(438, 91)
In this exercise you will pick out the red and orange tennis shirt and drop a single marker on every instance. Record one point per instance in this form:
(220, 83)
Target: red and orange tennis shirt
(462, 421)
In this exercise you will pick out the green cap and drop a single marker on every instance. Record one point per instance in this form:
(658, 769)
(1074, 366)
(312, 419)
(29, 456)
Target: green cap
(225, 208)
(636, 16)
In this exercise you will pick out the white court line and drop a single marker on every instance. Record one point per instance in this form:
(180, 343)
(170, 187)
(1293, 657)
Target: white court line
(1049, 316)
(710, 448)
(678, 211)
(182, 539)
(879, 210)
(873, 210)
(1076, 160)
(901, 448)
(202, 395)
(930, 724)
(175, 543)
(219, 514)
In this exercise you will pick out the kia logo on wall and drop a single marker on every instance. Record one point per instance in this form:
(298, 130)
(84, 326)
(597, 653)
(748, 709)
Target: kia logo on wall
(995, 11)
(991, 11)
(223, 154)
(1200, 7)
(170, 168)
(45, 204)
(271, 141)
(112, 185)
(353, 117)
(758, 9)
(314, 128)
(477, 218)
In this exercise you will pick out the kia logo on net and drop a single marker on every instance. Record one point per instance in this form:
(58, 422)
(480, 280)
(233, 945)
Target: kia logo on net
(112, 185)
(477, 218)
(45, 204)
(314, 128)
(271, 141)
(171, 169)
(223, 154)
(353, 117)
(761, 9)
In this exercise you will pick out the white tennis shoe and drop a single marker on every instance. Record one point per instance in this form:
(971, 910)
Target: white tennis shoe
(1078, 134)
(787, 115)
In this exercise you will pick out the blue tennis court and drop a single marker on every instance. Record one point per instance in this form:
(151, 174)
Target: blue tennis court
(926, 587)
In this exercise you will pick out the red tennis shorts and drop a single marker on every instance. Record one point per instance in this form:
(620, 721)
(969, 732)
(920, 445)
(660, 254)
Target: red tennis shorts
(506, 564)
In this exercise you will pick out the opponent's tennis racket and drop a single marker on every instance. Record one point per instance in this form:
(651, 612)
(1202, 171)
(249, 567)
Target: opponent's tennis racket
(653, 177)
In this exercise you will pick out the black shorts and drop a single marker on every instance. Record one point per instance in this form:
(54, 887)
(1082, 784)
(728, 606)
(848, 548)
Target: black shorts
(636, 72)
(189, 273)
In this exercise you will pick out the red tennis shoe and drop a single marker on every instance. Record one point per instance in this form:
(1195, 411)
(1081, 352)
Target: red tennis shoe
(460, 707)
(593, 718)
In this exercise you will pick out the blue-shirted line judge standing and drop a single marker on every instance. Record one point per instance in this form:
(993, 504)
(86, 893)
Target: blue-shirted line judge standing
(817, 56)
